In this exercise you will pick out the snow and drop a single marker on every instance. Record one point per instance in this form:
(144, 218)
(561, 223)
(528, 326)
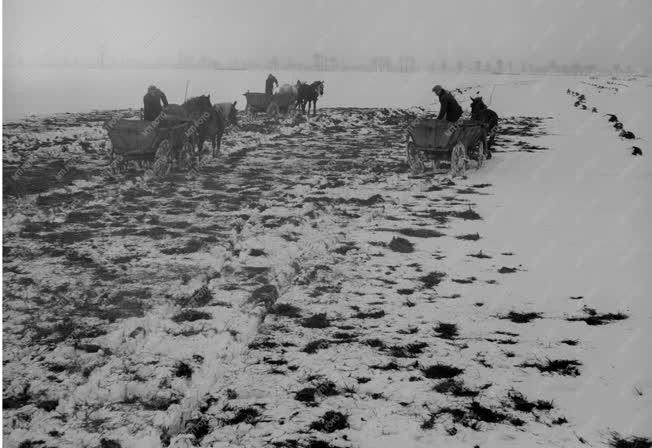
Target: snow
(311, 211)
(582, 220)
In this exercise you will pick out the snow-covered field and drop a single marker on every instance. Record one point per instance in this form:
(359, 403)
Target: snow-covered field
(303, 289)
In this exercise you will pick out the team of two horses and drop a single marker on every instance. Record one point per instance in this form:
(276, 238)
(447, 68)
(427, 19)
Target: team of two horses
(304, 93)
(208, 120)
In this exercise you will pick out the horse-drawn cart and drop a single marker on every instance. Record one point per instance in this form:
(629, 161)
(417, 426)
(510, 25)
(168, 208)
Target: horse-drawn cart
(271, 104)
(159, 143)
(436, 141)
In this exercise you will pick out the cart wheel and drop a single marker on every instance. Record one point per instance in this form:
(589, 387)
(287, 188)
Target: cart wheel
(186, 155)
(292, 107)
(481, 153)
(415, 159)
(118, 163)
(272, 109)
(458, 160)
(163, 159)
(112, 157)
(108, 149)
(192, 159)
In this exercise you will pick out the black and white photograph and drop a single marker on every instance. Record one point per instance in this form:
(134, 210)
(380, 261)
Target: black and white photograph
(326, 224)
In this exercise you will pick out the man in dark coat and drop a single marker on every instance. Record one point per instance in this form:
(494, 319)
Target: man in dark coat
(152, 103)
(449, 109)
(269, 84)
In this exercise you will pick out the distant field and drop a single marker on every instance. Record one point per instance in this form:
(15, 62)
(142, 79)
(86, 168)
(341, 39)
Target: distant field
(48, 90)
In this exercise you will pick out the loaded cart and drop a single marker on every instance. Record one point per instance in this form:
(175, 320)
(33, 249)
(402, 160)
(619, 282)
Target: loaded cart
(156, 142)
(436, 141)
(271, 104)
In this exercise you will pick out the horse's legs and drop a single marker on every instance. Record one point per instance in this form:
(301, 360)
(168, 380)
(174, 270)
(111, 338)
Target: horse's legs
(203, 136)
(217, 143)
(200, 143)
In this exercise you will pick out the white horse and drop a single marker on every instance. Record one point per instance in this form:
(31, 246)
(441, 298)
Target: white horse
(291, 91)
(288, 88)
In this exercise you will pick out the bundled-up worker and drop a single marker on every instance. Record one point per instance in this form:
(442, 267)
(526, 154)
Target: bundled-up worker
(269, 84)
(449, 109)
(152, 100)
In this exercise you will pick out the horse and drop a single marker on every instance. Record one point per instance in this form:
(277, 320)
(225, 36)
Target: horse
(292, 91)
(215, 127)
(307, 94)
(228, 111)
(198, 109)
(225, 114)
(289, 88)
(480, 112)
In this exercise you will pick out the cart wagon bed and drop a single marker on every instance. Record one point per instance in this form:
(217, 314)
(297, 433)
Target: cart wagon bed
(159, 142)
(438, 140)
(271, 104)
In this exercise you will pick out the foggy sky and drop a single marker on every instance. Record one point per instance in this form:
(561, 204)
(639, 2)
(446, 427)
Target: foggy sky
(592, 31)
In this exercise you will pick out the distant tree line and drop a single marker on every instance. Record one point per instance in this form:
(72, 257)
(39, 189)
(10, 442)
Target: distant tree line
(324, 63)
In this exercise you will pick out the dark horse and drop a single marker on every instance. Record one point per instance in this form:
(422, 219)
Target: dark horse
(480, 112)
(200, 110)
(307, 94)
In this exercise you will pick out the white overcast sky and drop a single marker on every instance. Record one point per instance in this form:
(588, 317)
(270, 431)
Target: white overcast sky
(585, 31)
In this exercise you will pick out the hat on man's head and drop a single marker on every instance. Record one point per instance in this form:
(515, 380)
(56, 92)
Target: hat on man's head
(437, 89)
(152, 88)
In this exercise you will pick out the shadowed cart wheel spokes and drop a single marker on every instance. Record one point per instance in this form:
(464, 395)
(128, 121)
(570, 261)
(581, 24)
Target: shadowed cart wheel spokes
(163, 160)
(187, 155)
(458, 160)
(415, 159)
(273, 110)
(116, 161)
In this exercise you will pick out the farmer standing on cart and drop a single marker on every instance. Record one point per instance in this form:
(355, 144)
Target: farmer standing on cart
(152, 103)
(449, 109)
(269, 84)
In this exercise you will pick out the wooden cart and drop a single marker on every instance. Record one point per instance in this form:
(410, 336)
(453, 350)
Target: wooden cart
(156, 142)
(271, 104)
(437, 141)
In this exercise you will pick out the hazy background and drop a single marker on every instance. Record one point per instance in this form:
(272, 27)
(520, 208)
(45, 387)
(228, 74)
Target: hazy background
(78, 55)
(603, 32)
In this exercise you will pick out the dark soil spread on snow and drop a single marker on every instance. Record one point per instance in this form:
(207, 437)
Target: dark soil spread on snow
(280, 295)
